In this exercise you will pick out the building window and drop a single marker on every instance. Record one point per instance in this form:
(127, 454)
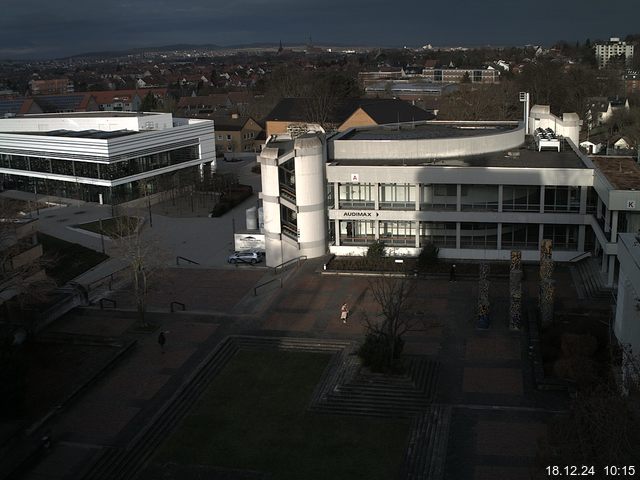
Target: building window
(356, 195)
(439, 197)
(289, 222)
(441, 235)
(480, 197)
(357, 232)
(228, 137)
(520, 198)
(219, 137)
(520, 235)
(398, 233)
(564, 237)
(479, 235)
(397, 196)
(562, 199)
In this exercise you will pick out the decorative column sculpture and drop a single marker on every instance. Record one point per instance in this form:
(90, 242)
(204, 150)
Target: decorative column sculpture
(515, 291)
(483, 297)
(546, 283)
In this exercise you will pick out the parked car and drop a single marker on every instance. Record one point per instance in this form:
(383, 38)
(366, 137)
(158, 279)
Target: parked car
(245, 257)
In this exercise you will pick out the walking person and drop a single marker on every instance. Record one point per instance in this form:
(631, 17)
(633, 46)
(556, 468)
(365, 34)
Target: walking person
(162, 340)
(344, 312)
(452, 273)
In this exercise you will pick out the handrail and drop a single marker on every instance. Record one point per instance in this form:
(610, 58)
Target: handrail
(580, 257)
(282, 266)
(177, 303)
(255, 290)
(178, 258)
(110, 300)
(90, 286)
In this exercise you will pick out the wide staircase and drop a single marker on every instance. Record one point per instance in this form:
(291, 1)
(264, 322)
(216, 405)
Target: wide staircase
(590, 282)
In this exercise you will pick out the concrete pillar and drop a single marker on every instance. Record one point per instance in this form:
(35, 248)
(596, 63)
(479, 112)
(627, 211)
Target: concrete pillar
(458, 235)
(583, 200)
(336, 227)
(417, 187)
(336, 195)
(459, 198)
(500, 196)
(614, 226)
(599, 208)
(499, 244)
(417, 224)
(603, 266)
(607, 221)
(612, 270)
(540, 235)
(376, 196)
(541, 200)
(376, 229)
(581, 237)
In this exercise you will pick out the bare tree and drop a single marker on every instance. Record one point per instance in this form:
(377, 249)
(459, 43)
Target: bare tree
(144, 256)
(384, 334)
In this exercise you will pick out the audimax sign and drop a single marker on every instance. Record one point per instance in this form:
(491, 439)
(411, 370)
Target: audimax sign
(359, 214)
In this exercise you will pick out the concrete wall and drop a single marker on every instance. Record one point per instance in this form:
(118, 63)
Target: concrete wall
(568, 126)
(78, 122)
(427, 148)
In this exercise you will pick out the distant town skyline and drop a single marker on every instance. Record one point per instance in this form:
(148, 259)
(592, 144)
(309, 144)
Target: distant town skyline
(35, 29)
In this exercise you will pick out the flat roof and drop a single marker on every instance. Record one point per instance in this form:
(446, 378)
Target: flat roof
(622, 172)
(427, 130)
(95, 134)
(527, 156)
(90, 114)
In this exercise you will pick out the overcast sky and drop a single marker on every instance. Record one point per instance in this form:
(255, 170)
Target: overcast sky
(53, 28)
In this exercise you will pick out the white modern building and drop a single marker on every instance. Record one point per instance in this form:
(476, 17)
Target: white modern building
(477, 190)
(117, 155)
(612, 49)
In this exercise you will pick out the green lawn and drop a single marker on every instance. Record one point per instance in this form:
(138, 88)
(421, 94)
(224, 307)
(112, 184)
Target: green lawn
(254, 417)
(66, 260)
(111, 226)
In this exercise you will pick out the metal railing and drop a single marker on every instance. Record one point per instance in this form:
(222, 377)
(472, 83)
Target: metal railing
(107, 279)
(579, 257)
(108, 300)
(174, 303)
(278, 268)
(178, 258)
(255, 289)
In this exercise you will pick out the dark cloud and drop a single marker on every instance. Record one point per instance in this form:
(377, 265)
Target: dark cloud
(31, 28)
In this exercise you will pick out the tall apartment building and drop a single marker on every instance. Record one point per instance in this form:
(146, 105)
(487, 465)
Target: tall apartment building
(611, 49)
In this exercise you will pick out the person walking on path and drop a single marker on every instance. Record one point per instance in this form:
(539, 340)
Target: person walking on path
(344, 312)
(452, 273)
(162, 340)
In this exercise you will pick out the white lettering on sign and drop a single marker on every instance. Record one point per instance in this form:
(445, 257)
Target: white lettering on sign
(359, 214)
(631, 204)
(355, 177)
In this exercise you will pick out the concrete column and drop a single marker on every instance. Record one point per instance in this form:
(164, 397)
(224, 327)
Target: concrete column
(540, 235)
(417, 187)
(599, 208)
(583, 200)
(376, 229)
(581, 237)
(337, 230)
(459, 198)
(603, 266)
(417, 234)
(458, 234)
(336, 195)
(376, 196)
(614, 226)
(607, 221)
(612, 270)
(499, 244)
(541, 202)
(500, 196)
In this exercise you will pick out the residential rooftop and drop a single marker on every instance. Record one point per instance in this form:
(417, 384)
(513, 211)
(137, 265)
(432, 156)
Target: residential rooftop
(622, 172)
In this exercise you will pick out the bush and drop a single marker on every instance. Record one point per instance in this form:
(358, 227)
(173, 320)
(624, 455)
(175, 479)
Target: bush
(376, 250)
(428, 256)
(575, 345)
(375, 355)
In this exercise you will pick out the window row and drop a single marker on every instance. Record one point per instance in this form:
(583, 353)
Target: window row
(402, 196)
(473, 235)
(103, 171)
